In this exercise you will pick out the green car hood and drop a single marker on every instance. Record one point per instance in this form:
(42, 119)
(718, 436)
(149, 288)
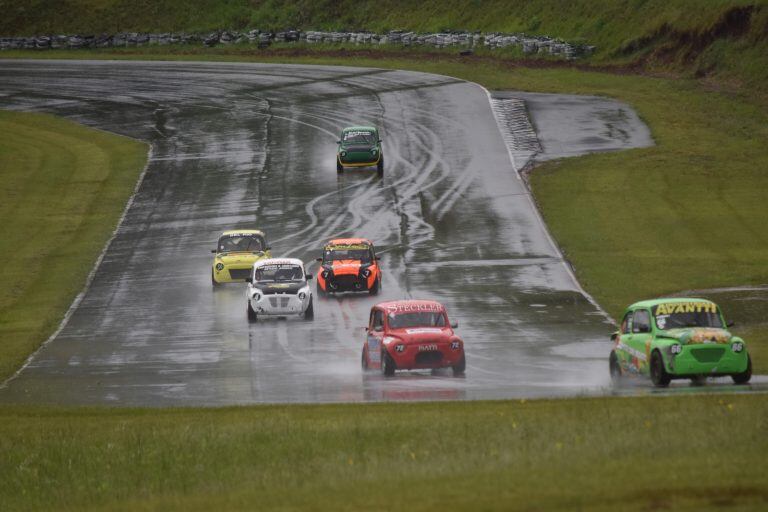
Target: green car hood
(690, 335)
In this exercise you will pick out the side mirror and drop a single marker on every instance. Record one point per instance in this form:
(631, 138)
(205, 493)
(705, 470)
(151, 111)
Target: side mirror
(319, 259)
(338, 142)
(366, 329)
(615, 336)
(248, 279)
(730, 324)
(378, 258)
(379, 141)
(213, 251)
(309, 276)
(455, 325)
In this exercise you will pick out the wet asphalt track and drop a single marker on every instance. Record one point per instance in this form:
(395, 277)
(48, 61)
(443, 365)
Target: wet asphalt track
(246, 145)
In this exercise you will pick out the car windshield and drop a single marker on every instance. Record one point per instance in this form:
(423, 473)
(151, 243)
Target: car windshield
(279, 273)
(416, 319)
(687, 314)
(241, 243)
(359, 137)
(360, 253)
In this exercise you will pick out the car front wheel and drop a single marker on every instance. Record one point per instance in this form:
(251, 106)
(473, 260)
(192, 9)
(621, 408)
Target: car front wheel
(339, 167)
(743, 377)
(364, 361)
(659, 375)
(309, 313)
(460, 367)
(380, 167)
(387, 364)
(614, 367)
(252, 317)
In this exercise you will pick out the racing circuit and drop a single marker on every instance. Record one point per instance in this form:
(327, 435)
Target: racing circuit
(238, 146)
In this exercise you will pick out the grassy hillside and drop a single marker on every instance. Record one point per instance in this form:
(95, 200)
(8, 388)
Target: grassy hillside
(64, 186)
(725, 39)
(685, 453)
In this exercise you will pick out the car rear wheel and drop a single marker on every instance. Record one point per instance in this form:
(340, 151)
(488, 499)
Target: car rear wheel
(309, 313)
(388, 365)
(614, 367)
(339, 167)
(460, 367)
(252, 317)
(743, 378)
(659, 375)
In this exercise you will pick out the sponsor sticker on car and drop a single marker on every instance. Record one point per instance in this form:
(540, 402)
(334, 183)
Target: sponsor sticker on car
(428, 348)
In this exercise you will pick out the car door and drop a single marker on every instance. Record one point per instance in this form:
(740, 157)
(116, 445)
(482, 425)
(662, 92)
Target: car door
(375, 336)
(640, 339)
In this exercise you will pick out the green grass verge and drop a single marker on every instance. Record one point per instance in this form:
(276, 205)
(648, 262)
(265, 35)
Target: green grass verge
(577, 454)
(64, 187)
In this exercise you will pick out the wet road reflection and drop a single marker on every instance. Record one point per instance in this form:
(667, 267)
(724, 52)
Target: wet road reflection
(252, 146)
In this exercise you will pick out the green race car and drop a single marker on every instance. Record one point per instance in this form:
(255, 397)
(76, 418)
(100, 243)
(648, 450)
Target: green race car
(678, 339)
(359, 146)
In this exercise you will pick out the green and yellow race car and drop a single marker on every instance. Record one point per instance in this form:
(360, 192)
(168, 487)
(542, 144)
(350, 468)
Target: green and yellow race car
(678, 338)
(236, 252)
(359, 146)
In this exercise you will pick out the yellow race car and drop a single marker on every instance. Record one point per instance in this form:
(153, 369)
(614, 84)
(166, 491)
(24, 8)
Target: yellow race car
(236, 252)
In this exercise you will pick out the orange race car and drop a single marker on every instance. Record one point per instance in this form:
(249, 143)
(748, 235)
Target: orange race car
(349, 265)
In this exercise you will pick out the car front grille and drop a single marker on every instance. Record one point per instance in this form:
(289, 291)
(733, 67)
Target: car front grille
(431, 357)
(708, 354)
(239, 273)
(279, 302)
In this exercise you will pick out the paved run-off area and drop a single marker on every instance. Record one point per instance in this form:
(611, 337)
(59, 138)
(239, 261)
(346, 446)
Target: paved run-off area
(246, 145)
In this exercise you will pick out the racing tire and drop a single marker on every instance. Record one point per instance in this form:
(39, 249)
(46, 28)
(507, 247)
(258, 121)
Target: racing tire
(388, 365)
(339, 167)
(214, 283)
(380, 167)
(614, 368)
(375, 288)
(309, 313)
(364, 361)
(252, 316)
(743, 377)
(659, 375)
(698, 380)
(460, 367)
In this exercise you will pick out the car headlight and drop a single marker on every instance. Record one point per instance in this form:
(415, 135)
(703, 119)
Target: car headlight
(676, 349)
(455, 345)
(737, 347)
(302, 295)
(342, 153)
(365, 272)
(399, 347)
(219, 267)
(325, 274)
(256, 296)
(374, 151)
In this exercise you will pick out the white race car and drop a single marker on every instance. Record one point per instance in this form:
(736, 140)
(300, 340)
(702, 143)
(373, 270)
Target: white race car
(278, 287)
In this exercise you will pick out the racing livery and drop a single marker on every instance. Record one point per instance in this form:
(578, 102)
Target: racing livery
(677, 339)
(278, 287)
(236, 252)
(359, 146)
(349, 265)
(411, 335)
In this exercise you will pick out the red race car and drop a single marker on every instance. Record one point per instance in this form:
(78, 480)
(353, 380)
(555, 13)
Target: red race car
(412, 335)
(349, 265)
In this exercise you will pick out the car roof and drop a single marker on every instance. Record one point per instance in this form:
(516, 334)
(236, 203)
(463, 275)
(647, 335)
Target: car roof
(359, 129)
(411, 304)
(243, 231)
(349, 241)
(279, 261)
(668, 300)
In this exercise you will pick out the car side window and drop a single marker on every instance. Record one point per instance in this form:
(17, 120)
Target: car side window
(378, 320)
(641, 321)
(626, 324)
